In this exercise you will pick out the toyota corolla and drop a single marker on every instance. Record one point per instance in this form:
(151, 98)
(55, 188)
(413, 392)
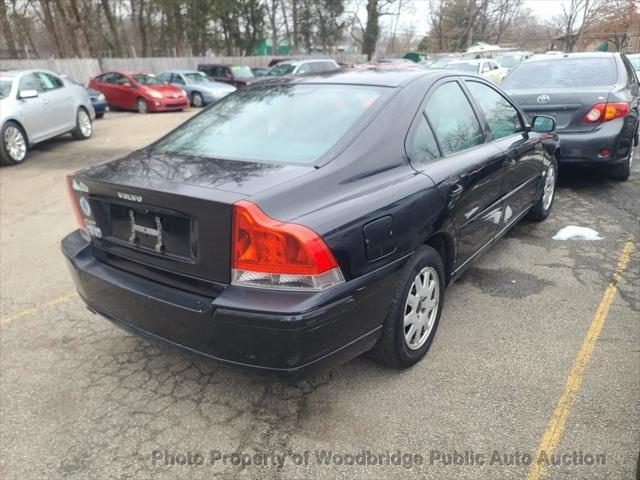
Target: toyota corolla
(302, 222)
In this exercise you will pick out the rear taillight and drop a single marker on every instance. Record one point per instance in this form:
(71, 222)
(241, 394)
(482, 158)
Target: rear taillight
(271, 254)
(603, 112)
(74, 202)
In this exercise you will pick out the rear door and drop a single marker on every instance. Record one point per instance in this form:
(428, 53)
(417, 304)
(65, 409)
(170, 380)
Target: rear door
(448, 144)
(521, 150)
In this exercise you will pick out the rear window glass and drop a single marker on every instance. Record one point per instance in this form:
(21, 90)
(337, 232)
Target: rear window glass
(281, 123)
(5, 87)
(569, 72)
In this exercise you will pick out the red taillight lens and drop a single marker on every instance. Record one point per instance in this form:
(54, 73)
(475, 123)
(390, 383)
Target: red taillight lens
(603, 112)
(273, 254)
(74, 202)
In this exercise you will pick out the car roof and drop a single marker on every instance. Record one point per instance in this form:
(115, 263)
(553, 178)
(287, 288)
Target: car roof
(383, 77)
(473, 61)
(182, 71)
(564, 56)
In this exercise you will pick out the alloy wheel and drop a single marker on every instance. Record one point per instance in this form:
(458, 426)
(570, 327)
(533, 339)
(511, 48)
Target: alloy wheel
(549, 187)
(197, 100)
(421, 308)
(15, 143)
(84, 122)
(142, 105)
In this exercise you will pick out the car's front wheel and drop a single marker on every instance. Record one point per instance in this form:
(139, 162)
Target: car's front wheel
(542, 207)
(412, 320)
(84, 127)
(141, 105)
(14, 144)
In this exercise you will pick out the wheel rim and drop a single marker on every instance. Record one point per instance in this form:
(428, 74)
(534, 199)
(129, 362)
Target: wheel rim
(421, 308)
(85, 123)
(197, 100)
(15, 144)
(142, 106)
(549, 187)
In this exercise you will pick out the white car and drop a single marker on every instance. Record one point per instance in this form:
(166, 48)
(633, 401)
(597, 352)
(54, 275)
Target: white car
(36, 105)
(486, 67)
(302, 67)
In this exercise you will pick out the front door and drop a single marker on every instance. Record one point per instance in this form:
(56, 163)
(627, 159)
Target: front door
(469, 172)
(34, 112)
(521, 149)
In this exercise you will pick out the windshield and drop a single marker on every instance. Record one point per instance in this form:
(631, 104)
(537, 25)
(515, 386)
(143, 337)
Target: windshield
(146, 79)
(242, 72)
(273, 124)
(466, 66)
(197, 78)
(564, 73)
(508, 61)
(5, 87)
(280, 69)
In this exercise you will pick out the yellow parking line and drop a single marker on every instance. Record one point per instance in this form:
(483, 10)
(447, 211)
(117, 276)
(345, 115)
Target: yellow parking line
(32, 311)
(556, 425)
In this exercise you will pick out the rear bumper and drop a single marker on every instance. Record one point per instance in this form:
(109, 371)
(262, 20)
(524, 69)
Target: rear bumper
(167, 104)
(290, 333)
(585, 147)
(100, 106)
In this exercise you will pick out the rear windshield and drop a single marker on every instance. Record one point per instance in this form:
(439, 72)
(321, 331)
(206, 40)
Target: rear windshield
(280, 123)
(568, 72)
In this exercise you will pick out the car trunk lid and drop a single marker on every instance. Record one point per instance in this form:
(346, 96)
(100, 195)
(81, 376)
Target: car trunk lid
(170, 214)
(567, 106)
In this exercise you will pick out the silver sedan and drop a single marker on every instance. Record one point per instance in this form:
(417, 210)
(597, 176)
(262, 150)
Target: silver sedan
(201, 89)
(36, 105)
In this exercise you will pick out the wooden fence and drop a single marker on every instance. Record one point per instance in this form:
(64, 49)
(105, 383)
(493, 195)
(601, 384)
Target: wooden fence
(82, 69)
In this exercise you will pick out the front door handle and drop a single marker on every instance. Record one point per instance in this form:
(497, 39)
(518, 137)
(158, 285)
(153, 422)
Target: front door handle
(456, 189)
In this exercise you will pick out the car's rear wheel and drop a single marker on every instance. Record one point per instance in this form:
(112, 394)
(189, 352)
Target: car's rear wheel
(14, 144)
(141, 105)
(542, 207)
(196, 99)
(84, 126)
(622, 171)
(412, 320)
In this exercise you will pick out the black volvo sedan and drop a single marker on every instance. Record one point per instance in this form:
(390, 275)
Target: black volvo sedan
(302, 222)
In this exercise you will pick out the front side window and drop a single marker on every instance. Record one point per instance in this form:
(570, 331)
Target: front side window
(196, 78)
(49, 82)
(30, 82)
(502, 117)
(146, 80)
(274, 124)
(165, 77)
(453, 120)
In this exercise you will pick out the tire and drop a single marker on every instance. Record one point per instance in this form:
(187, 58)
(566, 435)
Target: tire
(14, 145)
(99, 115)
(84, 127)
(622, 171)
(141, 105)
(197, 100)
(393, 348)
(542, 207)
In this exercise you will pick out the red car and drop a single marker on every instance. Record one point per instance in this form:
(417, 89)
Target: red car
(139, 91)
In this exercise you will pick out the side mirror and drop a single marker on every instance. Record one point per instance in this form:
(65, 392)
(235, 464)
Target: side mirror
(126, 85)
(31, 93)
(543, 124)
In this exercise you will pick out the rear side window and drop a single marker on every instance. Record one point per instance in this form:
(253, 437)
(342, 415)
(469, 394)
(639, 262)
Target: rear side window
(502, 117)
(423, 144)
(563, 73)
(274, 124)
(454, 122)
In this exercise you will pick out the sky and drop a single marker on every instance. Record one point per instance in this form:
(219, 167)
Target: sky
(416, 12)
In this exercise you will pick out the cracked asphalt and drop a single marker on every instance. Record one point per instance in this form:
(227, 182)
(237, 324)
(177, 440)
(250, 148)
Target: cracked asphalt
(81, 399)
